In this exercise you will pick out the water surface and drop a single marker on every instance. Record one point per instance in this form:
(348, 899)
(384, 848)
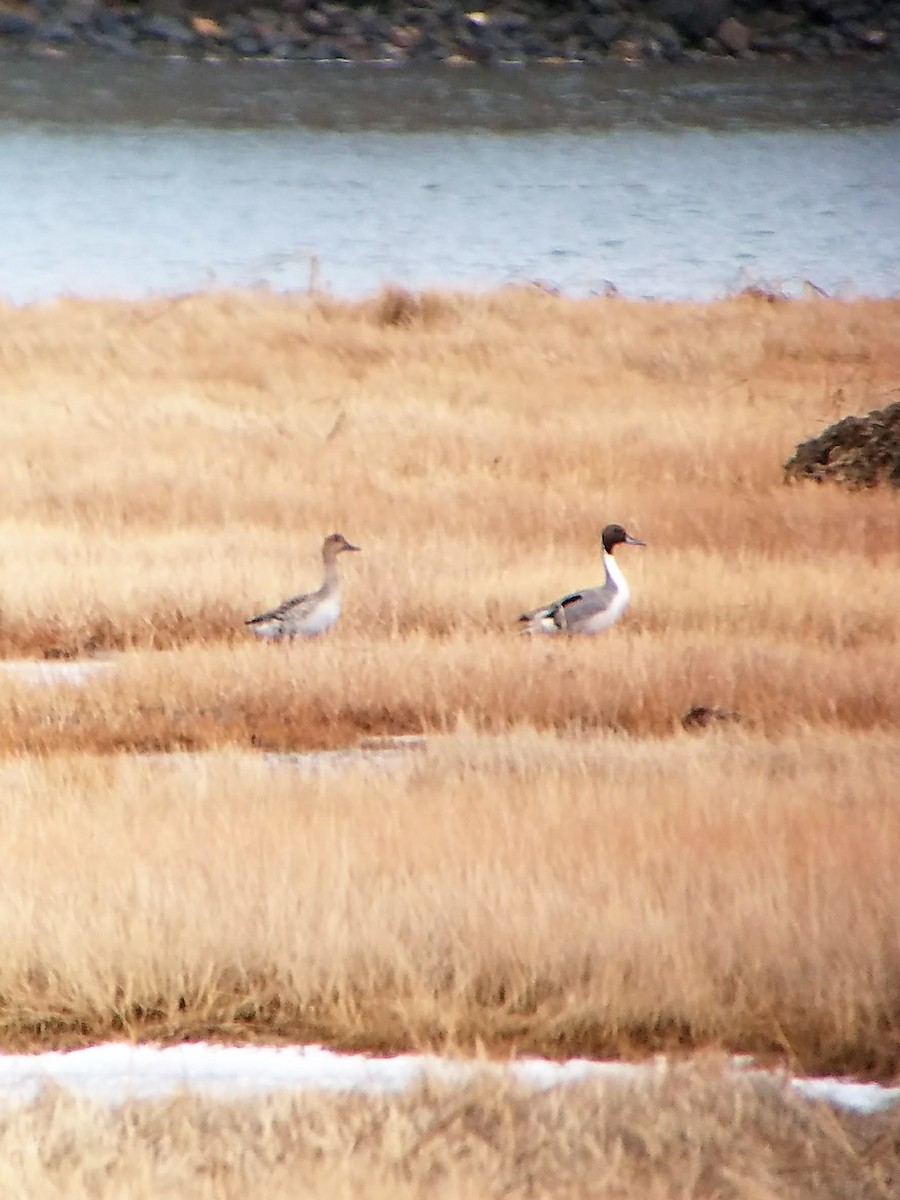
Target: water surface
(172, 177)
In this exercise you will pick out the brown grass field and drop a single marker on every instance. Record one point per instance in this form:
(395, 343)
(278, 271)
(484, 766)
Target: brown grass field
(563, 869)
(691, 1132)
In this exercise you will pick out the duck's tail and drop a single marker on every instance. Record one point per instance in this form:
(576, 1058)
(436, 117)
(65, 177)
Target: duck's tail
(539, 620)
(266, 625)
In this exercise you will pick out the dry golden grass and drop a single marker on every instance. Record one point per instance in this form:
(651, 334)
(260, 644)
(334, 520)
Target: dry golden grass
(173, 465)
(598, 895)
(338, 689)
(596, 879)
(694, 1133)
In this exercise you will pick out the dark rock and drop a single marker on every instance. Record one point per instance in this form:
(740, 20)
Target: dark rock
(734, 36)
(484, 42)
(326, 50)
(769, 27)
(430, 49)
(296, 51)
(334, 13)
(164, 28)
(422, 19)
(653, 41)
(358, 49)
(510, 22)
(834, 11)
(503, 31)
(534, 45)
(765, 43)
(701, 716)
(317, 22)
(650, 50)
(445, 10)
(292, 29)
(573, 49)
(865, 35)
(372, 24)
(693, 19)
(860, 452)
(56, 30)
(833, 42)
(16, 24)
(237, 25)
(113, 24)
(711, 45)
(267, 16)
(281, 50)
(605, 29)
(477, 49)
(563, 26)
(79, 12)
(669, 44)
(270, 38)
(797, 44)
(120, 46)
(405, 37)
(246, 45)
(627, 49)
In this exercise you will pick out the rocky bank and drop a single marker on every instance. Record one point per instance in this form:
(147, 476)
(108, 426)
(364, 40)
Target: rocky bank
(511, 32)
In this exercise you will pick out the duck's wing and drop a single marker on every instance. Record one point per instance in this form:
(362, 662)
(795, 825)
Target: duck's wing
(569, 612)
(293, 609)
(549, 619)
(573, 610)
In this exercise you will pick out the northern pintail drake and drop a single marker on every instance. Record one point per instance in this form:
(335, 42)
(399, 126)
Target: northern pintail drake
(313, 612)
(594, 609)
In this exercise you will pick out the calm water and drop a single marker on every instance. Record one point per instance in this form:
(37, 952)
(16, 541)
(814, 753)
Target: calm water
(123, 180)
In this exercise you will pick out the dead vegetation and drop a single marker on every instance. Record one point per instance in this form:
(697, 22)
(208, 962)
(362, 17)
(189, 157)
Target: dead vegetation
(172, 467)
(597, 895)
(856, 451)
(691, 1132)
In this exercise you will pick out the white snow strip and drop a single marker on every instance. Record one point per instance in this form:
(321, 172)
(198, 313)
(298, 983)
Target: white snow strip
(860, 1097)
(117, 1071)
(312, 763)
(52, 671)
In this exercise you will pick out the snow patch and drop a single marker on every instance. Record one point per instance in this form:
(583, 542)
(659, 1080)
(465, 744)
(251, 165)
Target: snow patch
(117, 1071)
(51, 672)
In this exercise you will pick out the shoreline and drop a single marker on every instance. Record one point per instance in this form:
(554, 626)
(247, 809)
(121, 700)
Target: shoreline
(598, 33)
(82, 86)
